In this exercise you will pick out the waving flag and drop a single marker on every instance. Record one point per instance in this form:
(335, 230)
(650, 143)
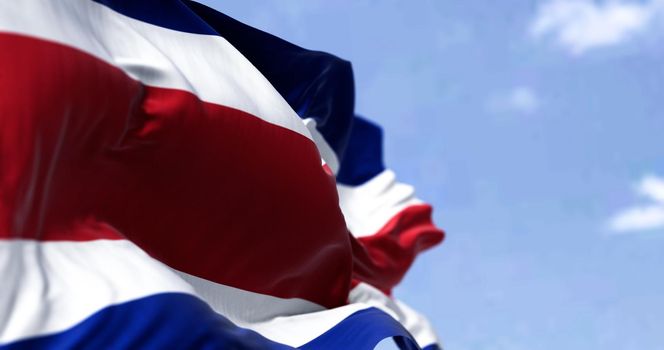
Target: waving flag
(172, 178)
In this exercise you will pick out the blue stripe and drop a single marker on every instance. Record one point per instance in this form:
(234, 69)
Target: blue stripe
(162, 321)
(364, 154)
(363, 330)
(182, 321)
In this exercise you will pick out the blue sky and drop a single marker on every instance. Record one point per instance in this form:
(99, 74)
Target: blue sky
(536, 130)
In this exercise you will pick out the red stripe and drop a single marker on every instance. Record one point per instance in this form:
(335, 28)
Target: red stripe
(206, 189)
(384, 258)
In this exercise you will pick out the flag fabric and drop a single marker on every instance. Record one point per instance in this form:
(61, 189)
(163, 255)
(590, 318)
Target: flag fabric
(173, 178)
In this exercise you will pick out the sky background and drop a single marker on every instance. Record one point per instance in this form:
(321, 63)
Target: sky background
(536, 129)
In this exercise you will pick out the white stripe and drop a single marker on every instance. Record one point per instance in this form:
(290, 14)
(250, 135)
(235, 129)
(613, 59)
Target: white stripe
(415, 323)
(49, 287)
(326, 152)
(244, 307)
(418, 326)
(298, 330)
(293, 322)
(368, 207)
(206, 65)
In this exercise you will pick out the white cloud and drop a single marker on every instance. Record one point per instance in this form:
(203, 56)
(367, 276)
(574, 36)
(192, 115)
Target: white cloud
(643, 217)
(653, 187)
(522, 99)
(581, 25)
(639, 219)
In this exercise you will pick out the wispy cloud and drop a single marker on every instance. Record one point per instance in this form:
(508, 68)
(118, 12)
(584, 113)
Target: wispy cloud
(521, 99)
(581, 25)
(643, 217)
(524, 99)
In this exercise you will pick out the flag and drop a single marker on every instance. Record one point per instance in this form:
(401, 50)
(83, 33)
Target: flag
(173, 178)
